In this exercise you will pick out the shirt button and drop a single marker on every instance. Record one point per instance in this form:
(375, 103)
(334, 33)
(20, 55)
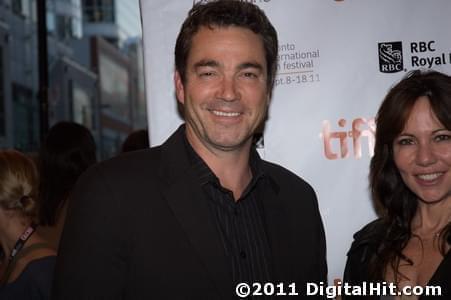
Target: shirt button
(243, 254)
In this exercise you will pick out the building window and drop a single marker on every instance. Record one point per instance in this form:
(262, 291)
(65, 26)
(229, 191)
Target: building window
(98, 11)
(17, 7)
(25, 119)
(21, 8)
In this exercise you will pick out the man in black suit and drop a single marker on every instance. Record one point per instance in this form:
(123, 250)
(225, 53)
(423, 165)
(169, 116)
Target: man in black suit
(196, 216)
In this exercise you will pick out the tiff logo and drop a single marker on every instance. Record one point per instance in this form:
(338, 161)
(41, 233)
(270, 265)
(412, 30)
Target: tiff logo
(360, 128)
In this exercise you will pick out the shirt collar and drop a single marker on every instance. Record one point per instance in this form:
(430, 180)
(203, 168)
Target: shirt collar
(206, 175)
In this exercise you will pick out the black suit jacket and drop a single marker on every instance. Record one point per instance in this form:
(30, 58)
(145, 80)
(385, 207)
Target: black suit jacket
(138, 227)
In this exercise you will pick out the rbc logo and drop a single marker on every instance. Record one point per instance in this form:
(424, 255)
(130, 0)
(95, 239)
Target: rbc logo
(390, 57)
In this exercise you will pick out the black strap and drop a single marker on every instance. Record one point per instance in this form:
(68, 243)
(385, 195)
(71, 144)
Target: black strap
(21, 241)
(16, 250)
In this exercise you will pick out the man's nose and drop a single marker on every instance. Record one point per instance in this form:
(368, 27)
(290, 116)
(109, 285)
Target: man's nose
(228, 90)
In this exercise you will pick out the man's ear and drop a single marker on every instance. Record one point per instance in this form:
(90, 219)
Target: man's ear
(179, 88)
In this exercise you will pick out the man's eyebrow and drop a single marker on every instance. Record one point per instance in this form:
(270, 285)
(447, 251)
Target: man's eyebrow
(214, 64)
(253, 65)
(206, 63)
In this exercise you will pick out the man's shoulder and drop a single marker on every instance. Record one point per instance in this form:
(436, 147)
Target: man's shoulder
(150, 155)
(170, 152)
(134, 162)
(284, 177)
(125, 177)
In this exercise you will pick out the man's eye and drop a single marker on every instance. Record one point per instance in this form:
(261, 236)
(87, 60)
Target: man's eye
(250, 75)
(206, 74)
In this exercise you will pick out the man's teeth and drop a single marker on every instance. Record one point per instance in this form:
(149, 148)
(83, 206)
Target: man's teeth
(226, 114)
(429, 177)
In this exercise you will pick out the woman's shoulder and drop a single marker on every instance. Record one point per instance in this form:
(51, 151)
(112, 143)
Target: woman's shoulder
(370, 234)
(364, 246)
(34, 282)
(38, 269)
(37, 255)
(40, 264)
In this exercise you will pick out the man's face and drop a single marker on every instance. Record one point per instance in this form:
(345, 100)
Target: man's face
(225, 95)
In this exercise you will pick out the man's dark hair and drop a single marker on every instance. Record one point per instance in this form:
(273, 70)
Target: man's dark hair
(225, 13)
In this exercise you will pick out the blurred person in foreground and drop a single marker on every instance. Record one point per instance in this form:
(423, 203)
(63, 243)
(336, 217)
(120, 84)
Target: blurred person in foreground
(2, 262)
(410, 178)
(195, 216)
(67, 151)
(28, 260)
(136, 140)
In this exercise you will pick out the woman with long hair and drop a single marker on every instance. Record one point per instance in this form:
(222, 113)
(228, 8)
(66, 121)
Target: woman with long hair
(27, 259)
(410, 180)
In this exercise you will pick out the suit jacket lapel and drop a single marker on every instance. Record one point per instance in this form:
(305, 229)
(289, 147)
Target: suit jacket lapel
(189, 204)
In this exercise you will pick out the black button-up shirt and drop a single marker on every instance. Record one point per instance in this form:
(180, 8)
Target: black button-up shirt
(240, 223)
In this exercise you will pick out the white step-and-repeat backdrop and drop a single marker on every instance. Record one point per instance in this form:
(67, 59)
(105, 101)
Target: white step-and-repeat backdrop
(337, 59)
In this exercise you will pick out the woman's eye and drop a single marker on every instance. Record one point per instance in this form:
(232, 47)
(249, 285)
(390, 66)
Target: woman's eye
(405, 141)
(442, 137)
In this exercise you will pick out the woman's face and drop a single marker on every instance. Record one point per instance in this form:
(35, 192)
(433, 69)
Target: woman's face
(422, 154)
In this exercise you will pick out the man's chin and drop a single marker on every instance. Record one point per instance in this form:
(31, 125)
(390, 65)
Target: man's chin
(230, 144)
